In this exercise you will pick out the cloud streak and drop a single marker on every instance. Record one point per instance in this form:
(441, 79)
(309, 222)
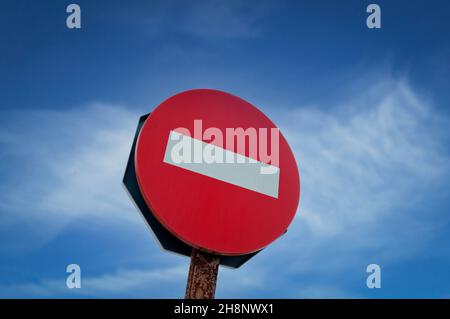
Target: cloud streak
(65, 166)
(367, 168)
(150, 283)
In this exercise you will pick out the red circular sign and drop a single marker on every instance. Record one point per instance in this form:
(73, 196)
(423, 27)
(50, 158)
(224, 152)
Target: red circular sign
(221, 206)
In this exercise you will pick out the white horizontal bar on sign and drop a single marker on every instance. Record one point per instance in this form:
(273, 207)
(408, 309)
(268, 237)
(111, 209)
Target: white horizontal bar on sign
(242, 172)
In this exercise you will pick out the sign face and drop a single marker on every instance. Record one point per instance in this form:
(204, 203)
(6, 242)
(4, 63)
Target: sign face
(216, 172)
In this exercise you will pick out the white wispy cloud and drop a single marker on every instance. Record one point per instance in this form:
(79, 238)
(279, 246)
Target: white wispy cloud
(76, 158)
(368, 167)
(161, 282)
(373, 154)
(130, 283)
(65, 166)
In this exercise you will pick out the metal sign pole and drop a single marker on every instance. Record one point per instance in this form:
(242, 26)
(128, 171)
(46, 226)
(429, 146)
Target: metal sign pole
(202, 278)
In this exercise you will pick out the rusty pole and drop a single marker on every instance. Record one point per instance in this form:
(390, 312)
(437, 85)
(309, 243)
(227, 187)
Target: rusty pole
(202, 278)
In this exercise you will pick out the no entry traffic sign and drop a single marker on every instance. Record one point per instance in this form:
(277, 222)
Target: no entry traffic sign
(216, 172)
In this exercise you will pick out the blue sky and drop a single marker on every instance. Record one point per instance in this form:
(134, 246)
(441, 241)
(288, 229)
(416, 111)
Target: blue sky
(365, 111)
